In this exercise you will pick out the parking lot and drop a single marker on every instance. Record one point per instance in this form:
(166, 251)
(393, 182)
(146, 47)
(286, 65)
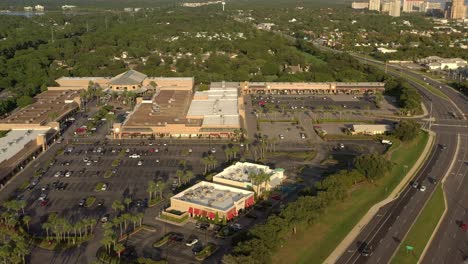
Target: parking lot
(74, 176)
(282, 103)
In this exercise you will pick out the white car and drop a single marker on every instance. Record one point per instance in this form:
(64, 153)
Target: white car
(58, 174)
(213, 150)
(157, 161)
(191, 242)
(68, 174)
(42, 197)
(134, 156)
(140, 163)
(422, 188)
(88, 163)
(281, 136)
(104, 187)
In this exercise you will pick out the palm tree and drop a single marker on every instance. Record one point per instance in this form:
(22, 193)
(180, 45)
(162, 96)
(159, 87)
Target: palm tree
(26, 220)
(179, 174)
(110, 119)
(151, 188)
(160, 186)
(235, 149)
(98, 92)
(127, 202)
(5, 252)
(106, 241)
(46, 226)
(117, 206)
(258, 179)
(188, 175)
(118, 248)
(84, 95)
(117, 221)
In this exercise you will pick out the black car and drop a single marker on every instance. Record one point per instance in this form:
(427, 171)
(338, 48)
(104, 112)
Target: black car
(82, 202)
(101, 202)
(197, 248)
(365, 249)
(202, 225)
(177, 237)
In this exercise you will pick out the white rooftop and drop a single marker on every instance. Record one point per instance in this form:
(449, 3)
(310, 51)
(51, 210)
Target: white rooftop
(217, 106)
(213, 195)
(15, 141)
(240, 171)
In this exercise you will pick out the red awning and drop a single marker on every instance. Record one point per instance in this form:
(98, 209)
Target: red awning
(196, 211)
(211, 215)
(190, 210)
(204, 213)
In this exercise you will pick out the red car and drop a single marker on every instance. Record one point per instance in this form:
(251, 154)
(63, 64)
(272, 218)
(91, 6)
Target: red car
(44, 203)
(464, 226)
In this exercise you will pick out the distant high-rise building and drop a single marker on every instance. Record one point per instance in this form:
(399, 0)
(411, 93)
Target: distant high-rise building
(395, 6)
(458, 9)
(360, 5)
(413, 5)
(374, 5)
(385, 7)
(432, 6)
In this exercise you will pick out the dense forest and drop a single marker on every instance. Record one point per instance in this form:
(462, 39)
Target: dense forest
(205, 43)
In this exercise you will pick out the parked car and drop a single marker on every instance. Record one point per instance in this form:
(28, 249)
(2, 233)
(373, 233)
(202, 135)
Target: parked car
(44, 203)
(192, 240)
(105, 218)
(104, 187)
(140, 163)
(178, 237)
(82, 202)
(68, 174)
(42, 197)
(422, 188)
(134, 156)
(58, 174)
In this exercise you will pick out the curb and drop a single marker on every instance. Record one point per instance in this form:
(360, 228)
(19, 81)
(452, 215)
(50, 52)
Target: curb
(346, 242)
(445, 202)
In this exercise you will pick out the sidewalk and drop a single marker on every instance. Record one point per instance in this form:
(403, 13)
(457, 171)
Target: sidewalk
(341, 248)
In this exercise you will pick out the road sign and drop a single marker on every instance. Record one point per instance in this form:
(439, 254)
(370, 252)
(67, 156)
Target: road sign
(409, 248)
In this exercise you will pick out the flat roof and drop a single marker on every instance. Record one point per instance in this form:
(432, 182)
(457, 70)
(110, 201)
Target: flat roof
(213, 195)
(218, 106)
(46, 103)
(366, 127)
(240, 171)
(16, 140)
(167, 107)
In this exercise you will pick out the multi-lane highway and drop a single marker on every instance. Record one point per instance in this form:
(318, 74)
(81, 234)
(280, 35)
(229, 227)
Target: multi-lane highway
(389, 226)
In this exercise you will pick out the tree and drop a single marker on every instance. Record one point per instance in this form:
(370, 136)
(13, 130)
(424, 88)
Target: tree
(160, 186)
(127, 202)
(26, 220)
(151, 189)
(372, 166)
(24, 101)
(406, 130)
(258, 179)
(179, 174)
(119, 248)
(117, 206)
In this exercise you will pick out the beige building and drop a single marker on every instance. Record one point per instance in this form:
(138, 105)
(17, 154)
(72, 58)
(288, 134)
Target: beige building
(238, 175)
(49, 108)
(174, 111)
(212, 200)
(374, 5)
(395, 8)
(458, 9)
(359, 5)
(311, 87)
(413, 6)
(365, 129)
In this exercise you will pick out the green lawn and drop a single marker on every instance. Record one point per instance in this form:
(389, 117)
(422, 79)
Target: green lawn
(313, 244)
(3, 133)
(422, 229)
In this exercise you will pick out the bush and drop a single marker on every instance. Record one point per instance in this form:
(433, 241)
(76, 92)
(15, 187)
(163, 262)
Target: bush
(372, 166)
(162, 241)
(99, 186)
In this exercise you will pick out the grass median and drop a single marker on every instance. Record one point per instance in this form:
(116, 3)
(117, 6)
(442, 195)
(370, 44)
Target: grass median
(314, 243)
(421, 231)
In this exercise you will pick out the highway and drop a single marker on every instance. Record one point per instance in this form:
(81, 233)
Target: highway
(389, 226)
